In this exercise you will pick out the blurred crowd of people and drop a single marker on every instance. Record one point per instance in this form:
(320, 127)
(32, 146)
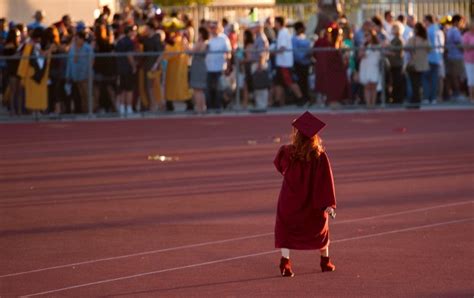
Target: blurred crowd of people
(144, 60)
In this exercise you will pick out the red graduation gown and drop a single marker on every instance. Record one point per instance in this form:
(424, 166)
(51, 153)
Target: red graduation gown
(307, 190)
(331, 73)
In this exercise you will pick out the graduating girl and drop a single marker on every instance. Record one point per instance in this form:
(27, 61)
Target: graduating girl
(307, 195)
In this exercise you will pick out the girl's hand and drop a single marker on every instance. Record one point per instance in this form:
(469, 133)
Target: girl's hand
(331, 212)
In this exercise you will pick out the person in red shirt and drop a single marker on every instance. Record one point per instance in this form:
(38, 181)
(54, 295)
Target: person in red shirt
(307, 197)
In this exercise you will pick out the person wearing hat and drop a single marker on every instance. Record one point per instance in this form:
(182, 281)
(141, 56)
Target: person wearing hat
(176, 73)
(307, 195)
(34, 72)
(38, 16)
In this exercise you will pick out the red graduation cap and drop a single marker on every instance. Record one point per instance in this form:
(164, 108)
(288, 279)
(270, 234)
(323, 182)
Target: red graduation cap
(308, 125)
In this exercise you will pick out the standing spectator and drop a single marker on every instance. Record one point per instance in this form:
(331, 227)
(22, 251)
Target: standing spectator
(34, 73)
(117, 26)
(12, 46)
(3, 63)
(269, 30)
(382, 35)
(419, 61)
(151, 44)
(56, 92)
(408, 31)
(77, 70)
(38, 22)
(350, 59)
(104, 68)
(359, 37)
(388, 23)
(188, 29)
(262, 45)
(454, 61)
(468, 41)
(370, 67)
(176, 77)
(401, 20)
(147, 10)
(225, 26)
(260, 66)
(249, 47)
(395, 55)
(233, 35)
(284, 63)
(65, 28)
(407, 34)
(216, 62)
(23, 33)
(302, 58)
(3, 32)
(198, 80)
(126, 69)
(435, 59)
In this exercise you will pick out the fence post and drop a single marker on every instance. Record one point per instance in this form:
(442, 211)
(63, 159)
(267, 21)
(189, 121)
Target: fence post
(383, 97)
(90, 73)
(237, 83)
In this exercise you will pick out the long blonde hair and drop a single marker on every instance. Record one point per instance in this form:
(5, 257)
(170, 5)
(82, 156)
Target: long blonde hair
(305, 149)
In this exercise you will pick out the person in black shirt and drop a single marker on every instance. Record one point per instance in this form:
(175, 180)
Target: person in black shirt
(12, 44)
(126, 69)
(104, 68)
(151, 42)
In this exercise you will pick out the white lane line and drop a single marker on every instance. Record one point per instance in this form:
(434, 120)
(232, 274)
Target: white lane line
(402, 212)
(227, 240)
(245, 256)
(139, 254)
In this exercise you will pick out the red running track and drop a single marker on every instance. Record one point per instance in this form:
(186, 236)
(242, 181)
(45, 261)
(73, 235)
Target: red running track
(84, 213)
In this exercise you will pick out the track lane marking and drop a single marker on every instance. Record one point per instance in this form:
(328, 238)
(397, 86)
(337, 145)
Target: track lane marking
(245, 256)
(226, 240)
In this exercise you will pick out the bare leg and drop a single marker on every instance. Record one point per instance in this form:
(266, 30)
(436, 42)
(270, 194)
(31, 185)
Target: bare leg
(440, 89)
(285, 252)
(111, 93)
(325, 252)
(367, 95)
(296, 90)
(129, 101)
(152, 105)
(372, 94)
(199, 101)
(279, 97)
(271, 95)
(119, 104)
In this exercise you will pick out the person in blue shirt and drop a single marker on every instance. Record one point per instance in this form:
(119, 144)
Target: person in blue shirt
(435, 59)
(77, 69)
(455, 57)
(38, 16)
(302, 58)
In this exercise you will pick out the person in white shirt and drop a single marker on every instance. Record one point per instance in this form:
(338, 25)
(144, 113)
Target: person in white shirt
(217, 58)
(408, 31)
(388, 23)
(284, 63)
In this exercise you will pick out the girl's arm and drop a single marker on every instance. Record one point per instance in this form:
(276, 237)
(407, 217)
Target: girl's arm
(325, 196)
(281, 160)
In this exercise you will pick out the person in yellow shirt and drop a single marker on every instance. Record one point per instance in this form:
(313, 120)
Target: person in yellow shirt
(33, 70)
(177, 61)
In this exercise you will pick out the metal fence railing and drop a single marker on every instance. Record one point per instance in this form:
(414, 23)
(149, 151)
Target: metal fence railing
(153, 91)
(356, 11)
(418, 8)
